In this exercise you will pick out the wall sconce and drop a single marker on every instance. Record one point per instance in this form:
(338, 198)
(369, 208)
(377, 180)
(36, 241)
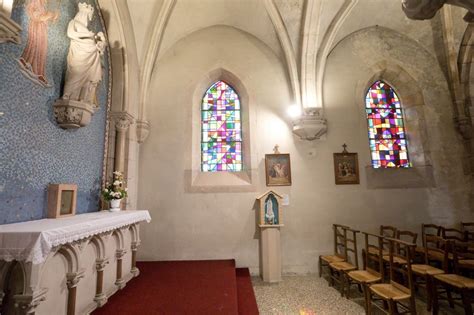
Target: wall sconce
(294, 111)
(309, 123)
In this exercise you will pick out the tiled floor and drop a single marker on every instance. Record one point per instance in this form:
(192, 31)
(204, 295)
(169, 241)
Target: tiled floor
(309, 294)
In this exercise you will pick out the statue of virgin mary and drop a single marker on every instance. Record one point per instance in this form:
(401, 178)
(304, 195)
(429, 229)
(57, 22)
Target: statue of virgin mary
(84, 68)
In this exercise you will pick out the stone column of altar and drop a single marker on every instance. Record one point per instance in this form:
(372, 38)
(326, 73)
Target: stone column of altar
(100, 297)
(72, 279)
(135, 271)
(120, 282)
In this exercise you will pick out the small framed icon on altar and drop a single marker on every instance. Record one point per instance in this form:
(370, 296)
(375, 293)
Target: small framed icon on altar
(62, 200)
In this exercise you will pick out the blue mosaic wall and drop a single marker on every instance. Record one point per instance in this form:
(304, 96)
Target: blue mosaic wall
(34, 151)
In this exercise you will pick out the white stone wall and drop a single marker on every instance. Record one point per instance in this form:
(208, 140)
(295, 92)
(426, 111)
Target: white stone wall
(205, 36)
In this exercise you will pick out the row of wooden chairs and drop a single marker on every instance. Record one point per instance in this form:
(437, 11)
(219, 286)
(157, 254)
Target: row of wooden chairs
(389, 275)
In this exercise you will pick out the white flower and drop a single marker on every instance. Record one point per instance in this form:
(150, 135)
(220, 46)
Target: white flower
(117, 183)
(126, 189)
(106, 190)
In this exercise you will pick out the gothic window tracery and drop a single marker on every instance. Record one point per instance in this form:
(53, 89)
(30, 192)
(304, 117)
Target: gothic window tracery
(221, 129)
(387, 137)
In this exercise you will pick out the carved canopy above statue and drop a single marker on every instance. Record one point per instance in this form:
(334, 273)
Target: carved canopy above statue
(426, 9)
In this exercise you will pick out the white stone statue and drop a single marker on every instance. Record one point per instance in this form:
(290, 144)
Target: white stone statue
(84, 68)
(269, 214)
(426, 9)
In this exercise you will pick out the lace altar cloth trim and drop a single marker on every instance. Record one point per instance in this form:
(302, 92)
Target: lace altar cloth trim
(33, 241)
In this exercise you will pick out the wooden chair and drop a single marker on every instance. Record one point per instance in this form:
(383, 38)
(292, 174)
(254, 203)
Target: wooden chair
(427, 230)
(368, 275)
(465, 258)
(395, 294)
(423, 273)
(340, 269)
(455, 281)
(467, 226)
(388, 231)
(453, 234)
(406, 236)
(385, 231)
(468, 229)
(339, 248)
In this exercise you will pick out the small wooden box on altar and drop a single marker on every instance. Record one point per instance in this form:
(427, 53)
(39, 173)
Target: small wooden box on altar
(270, 223)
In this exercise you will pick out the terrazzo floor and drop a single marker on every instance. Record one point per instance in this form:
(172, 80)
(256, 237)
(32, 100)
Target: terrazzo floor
(309, 295)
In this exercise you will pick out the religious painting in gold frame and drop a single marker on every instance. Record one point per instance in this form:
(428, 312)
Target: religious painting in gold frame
(346, 168)
(62, 200)
(278, 169)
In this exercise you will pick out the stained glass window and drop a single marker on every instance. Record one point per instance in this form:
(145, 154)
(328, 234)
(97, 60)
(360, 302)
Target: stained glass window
(221, 140)
(388, 144)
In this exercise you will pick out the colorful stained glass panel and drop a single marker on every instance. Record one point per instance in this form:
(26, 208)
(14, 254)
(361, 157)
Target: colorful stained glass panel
(387, 139)
(221, 141)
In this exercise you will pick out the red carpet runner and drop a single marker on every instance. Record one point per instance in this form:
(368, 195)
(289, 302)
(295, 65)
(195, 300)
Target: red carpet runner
(185, 287)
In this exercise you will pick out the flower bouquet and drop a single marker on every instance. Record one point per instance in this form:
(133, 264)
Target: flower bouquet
(114, 192)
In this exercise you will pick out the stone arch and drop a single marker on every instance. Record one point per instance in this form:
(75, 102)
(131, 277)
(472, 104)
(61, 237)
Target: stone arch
(12, 282)
(245, 100)
(124, 52)
(72, 255)
(415, 74)
(214, 74)
(99, 246)
(135, 234)
(412, 100)
(199, 90)
(119, 239)
(465, 59)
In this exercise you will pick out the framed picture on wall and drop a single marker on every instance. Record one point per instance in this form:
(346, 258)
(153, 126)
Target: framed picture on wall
(346, 168)
(278, 169)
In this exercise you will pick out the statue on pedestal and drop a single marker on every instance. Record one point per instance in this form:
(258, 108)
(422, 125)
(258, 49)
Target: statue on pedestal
(84, 71)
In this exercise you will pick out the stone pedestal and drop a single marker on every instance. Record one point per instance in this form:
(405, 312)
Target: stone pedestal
(71, 114)
(270, 249)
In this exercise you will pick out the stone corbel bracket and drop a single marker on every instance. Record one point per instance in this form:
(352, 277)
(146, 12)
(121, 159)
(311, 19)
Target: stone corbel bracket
(27, 304)
(311, 125)
(71, 114)
(9, 29)
(143, 130)
(121, 120)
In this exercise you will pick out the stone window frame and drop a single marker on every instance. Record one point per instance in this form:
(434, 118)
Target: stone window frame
(224, 181)
(420, 175)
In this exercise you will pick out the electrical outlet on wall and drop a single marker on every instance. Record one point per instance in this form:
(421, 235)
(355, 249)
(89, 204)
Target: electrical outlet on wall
(286, 200)
(312, 153)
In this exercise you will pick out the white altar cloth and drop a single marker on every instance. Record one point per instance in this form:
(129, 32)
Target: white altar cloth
(32, 241)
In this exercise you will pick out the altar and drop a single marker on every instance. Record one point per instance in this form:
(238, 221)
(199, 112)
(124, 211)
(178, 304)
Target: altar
(68, 265)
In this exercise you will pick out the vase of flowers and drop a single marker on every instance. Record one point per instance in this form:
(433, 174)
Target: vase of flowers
(114, 192)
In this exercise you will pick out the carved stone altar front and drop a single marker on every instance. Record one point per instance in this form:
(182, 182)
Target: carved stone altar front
(75, 277)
